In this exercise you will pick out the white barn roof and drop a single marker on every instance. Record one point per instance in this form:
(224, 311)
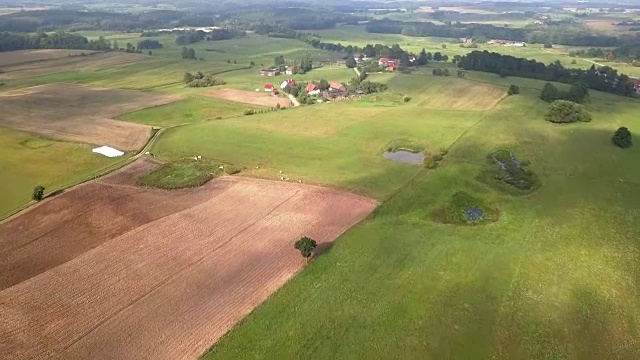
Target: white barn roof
(108, 151)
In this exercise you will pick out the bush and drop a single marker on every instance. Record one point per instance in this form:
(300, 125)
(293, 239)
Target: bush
(466, 209)
(622, 137)
(564, 111)
(38, 193)
(549, 93)
(249, 112)
(444, 151)
(186, 173)
(508, 173)
(513, 90)
(406, 98)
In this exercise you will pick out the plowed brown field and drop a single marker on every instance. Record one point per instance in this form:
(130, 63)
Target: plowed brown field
(79, 113)
(249, 97)
(109, 270)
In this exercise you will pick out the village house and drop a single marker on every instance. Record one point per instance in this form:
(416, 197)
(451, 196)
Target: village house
(389, 64)
(312, 89)
(289, 70)
(269, 88)
(637, 87)
(288, 82)
(336, 87)
(467, 40)
(270, 72)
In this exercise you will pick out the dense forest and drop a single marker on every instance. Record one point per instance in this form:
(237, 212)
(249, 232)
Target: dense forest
(565, 35)
(602, 79)
(61, 40)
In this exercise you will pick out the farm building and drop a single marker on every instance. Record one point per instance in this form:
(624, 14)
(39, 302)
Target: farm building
(288, 82)
(269, 88)
(336, 87)
(270, 72)
(389, 64)
(312, 89)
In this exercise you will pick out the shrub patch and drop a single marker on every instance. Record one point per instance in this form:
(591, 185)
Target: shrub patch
(181, 174)
(466, 209)
(507, 173)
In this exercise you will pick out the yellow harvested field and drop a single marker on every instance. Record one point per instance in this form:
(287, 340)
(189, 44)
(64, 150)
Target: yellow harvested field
(79, 113)
(55, 63)
(455, 94)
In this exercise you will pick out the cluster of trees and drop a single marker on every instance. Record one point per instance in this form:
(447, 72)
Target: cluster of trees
(564, 111)
(188, 53)
(359, 85)
(577, 93)
(60, 40)
(513, 90)
(565, 34)
(149, 44)
(602, 79)
(440, 72)
(300, 67)
(629, 50)
(200, 80)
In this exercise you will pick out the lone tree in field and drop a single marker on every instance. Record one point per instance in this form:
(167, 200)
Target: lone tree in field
(622, 138)
(38, 193)
(564, 111)
(305, 245)
(513, 90)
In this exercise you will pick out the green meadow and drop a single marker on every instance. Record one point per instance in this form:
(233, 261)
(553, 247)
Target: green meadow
(556, 277)
(29, 161)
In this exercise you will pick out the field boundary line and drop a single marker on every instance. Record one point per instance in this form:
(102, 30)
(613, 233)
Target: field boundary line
(91, 177)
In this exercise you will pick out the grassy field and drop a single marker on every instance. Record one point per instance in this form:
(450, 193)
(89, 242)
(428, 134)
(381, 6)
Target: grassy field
(29, 161)
(555, 277)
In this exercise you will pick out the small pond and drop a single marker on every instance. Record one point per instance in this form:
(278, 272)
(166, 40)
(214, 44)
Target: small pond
(406, 157)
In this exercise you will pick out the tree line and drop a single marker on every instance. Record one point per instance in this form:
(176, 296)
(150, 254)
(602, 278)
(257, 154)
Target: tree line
(10, 41)
(603, 79)
(565, 34)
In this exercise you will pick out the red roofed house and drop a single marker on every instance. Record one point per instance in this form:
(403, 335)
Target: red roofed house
(637, 87)
(334, 86)
(268, 88)
(288, 82)
(358, 57)
(289, 70)
(390, 64)
(312, 89)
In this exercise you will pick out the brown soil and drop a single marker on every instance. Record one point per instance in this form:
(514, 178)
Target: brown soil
(12, 58)
(79, 113)
(259, 98)
(27, 64)
(135, 273)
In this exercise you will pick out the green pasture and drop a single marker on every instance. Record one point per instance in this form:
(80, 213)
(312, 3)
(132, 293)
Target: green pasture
(28, 161)
(556, 277)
